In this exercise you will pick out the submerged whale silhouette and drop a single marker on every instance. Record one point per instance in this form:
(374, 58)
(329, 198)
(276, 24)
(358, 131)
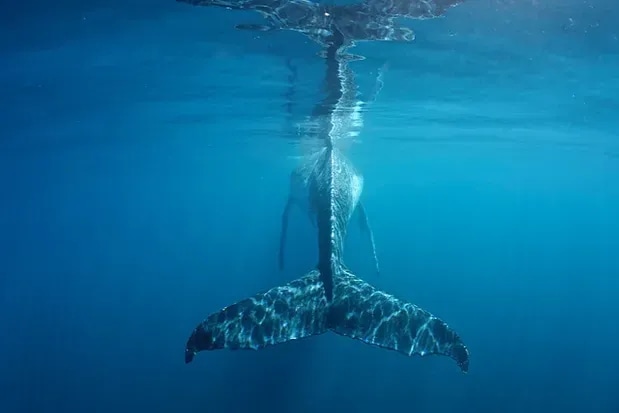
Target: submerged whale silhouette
(329, 297)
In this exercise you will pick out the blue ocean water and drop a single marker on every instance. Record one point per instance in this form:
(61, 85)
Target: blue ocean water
(145, 153)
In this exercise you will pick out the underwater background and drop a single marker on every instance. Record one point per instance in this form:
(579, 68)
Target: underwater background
(145, 153)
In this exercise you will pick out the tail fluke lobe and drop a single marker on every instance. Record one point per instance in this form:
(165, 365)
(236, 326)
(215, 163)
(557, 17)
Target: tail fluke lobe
(362, 312)
(293, 311)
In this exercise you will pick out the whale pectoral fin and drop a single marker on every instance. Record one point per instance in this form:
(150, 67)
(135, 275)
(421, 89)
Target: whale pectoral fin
(362, 312)
(284, 232)
(365, 227)
(293, 311)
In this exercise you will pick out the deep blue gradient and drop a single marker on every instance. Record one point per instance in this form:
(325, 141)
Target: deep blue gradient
(144, 158)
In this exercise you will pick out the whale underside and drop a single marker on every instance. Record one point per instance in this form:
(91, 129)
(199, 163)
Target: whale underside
(300, 197)
(300, 309)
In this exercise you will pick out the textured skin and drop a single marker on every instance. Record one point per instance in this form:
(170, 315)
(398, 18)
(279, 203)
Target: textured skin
(369, 20)
(331, 194)
(300, 309)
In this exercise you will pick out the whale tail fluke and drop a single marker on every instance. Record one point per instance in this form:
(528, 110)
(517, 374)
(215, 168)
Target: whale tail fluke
(300, 309)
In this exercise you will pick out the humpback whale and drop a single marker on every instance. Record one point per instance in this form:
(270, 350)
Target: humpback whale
(329, 297)
(364, 21)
